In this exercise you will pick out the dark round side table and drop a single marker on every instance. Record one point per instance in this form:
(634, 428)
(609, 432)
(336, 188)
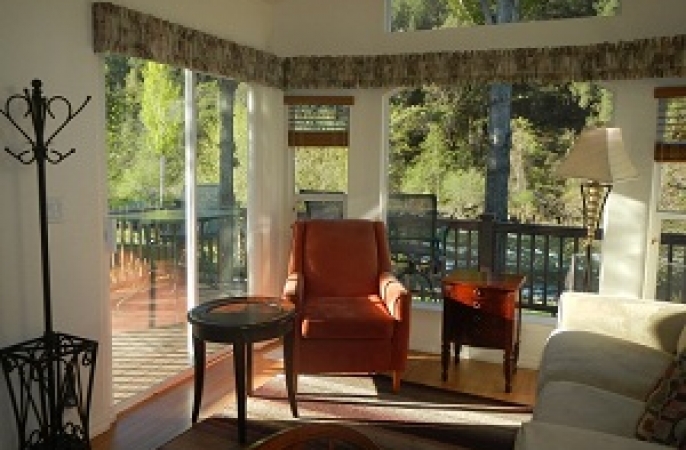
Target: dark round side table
(242, 321)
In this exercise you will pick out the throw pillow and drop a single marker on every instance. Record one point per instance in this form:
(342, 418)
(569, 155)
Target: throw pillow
(664, 418)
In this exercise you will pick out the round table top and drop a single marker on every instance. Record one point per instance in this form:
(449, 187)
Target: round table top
(241, 313)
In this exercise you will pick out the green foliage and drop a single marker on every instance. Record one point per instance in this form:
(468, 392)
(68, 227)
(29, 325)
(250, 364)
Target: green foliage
(451, 124)
(321, 169)
(145, 126)
(162, 122)
(440, 134)
(410, 15)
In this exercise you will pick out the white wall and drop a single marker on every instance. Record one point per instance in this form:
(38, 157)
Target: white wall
(628, 207)
(270, 212)
(53, 41)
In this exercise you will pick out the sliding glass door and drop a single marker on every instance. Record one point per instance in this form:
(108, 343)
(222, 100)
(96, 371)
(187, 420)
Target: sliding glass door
(177, 173)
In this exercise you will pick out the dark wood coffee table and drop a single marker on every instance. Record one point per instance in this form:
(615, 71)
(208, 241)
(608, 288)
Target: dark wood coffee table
(242, 321)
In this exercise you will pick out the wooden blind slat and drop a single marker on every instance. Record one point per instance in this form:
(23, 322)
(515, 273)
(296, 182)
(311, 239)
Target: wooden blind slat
(670, 92)
(318, 139)
(665, 152)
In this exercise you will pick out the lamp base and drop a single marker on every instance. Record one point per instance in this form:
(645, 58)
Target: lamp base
(584, 272)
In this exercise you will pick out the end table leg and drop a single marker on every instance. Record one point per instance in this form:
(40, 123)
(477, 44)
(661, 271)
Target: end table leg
(291, 377)
(445, 359)
(458, 351)
(199, 375)
(239, 374)
(248, 369)
(508, 360)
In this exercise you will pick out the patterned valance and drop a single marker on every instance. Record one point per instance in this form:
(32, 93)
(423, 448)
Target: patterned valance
(645, 58)
(124, 31)
(127, 32)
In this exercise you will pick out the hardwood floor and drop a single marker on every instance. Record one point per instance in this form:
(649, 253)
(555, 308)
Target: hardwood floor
(167, 414)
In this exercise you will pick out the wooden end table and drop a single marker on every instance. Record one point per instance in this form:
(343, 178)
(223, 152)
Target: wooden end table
(242, 321)
(482, 309)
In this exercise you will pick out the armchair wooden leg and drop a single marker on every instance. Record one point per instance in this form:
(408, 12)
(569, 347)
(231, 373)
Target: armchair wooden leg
(396, 375)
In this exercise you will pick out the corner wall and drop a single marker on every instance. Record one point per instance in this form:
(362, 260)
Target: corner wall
(52, 41)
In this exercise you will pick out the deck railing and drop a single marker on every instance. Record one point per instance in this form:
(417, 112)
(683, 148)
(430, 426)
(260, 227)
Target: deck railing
(150, 244)
(671, 274)
(550, 256)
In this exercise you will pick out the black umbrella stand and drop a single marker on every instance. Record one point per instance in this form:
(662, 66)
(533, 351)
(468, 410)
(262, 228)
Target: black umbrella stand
(49, 378)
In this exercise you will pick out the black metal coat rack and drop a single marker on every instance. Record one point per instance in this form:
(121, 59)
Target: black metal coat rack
(49, 378)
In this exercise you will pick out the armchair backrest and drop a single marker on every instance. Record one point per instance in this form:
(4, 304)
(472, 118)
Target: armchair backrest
(339, 257)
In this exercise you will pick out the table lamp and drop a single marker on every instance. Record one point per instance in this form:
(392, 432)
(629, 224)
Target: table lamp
(599, 160)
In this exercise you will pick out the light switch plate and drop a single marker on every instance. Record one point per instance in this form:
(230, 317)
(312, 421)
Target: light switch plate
(54, 210)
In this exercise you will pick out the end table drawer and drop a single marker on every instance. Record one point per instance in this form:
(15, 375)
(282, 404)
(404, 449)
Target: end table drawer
(488, 331)
(492, 301)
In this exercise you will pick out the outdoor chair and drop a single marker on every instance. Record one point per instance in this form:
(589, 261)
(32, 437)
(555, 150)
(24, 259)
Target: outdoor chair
(353, 316)
(415, 247)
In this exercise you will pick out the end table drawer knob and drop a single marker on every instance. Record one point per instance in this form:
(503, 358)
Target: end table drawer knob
(476, 304)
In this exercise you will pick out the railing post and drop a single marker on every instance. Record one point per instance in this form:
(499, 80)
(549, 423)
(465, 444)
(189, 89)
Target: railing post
(487, 242)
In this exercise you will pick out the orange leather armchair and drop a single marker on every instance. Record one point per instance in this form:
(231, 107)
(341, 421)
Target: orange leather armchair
(353, 314)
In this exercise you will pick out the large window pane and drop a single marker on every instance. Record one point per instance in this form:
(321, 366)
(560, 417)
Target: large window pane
(147, 154)
(416, 15)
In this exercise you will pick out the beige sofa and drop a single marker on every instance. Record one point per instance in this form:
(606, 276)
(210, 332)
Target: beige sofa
(598, 367)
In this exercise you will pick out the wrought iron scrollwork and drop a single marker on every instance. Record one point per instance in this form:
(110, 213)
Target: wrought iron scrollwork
(39, 108)
(50, 378)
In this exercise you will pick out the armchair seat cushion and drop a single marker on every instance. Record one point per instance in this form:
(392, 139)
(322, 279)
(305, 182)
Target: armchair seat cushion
(364, 317)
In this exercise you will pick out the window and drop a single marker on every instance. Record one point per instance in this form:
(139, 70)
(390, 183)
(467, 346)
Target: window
(670, 156)
(318, 133)
(413, 15)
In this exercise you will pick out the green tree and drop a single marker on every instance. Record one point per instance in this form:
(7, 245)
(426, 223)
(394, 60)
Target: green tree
(478, 123)
(162, 129)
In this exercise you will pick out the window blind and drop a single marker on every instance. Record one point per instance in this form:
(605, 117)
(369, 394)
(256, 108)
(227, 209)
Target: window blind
(670, 144)
(318, 121)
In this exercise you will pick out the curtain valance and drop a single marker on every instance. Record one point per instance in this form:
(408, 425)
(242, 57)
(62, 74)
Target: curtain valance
(125, 31)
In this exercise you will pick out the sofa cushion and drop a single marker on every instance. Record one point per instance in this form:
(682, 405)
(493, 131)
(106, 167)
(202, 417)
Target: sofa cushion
(602, 361)
(347, 318)
(589, 407)
(664, 419)
(547, 436)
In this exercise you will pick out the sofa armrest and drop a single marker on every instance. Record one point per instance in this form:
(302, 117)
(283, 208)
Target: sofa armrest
(653, 323)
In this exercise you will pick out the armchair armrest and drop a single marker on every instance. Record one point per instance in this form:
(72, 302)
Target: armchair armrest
(654, 323)
(397, 298)
(293, 289)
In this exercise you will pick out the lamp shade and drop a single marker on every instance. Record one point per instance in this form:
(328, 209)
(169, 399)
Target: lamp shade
(598, 155)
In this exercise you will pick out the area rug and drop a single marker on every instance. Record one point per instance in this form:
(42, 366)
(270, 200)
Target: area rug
(418, 417)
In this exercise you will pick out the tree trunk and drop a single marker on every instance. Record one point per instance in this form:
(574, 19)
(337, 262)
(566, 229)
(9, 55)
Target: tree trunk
(500, 135)
(500, 138)
(227, 146)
